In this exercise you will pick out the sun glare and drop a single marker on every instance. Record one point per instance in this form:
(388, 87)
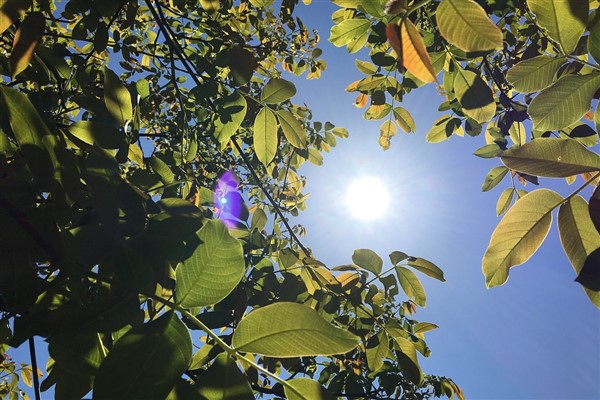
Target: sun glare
(367, 198)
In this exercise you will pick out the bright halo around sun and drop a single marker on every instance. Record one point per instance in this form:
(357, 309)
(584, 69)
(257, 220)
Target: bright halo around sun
(367, 198)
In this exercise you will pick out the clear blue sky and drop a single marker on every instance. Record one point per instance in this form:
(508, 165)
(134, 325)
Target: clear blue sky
(536, 337)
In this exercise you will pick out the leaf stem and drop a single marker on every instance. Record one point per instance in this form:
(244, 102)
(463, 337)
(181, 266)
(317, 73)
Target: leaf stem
(34, 372)
(580, 188)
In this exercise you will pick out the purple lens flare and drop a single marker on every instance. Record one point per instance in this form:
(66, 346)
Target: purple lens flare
(228, 201)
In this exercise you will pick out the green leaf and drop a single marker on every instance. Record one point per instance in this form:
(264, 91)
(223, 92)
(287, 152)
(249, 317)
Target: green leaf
(368, 259)
(474, 95)
(117, 98)
(315, 157)
(397, 256)
(277, 91)
(92, 132)
(404, 119)
(292, 129)
(306, 389)
(422, 327)
(77, 353)
(26, 40)
(442, 129)
(265, 135)
(348, 31)
(563, 103)
(366, 67)
(373, 7)
(594, 40)
(589, 276)
(259, 219)
(261, 3)
(466, 25)
(157, 352)
(229, 116)
(504, 201)
(213, 270)
(578, 234)
(494, 177)
(426, 267)
(282, 329)
(534, 74)
(488, 151)
(143, 88)
(242, 64)
(378, 348)
(35, 141)
(411, 285)
(556, 158)
(223, 380)
(563, 20)
(408, 359)
(519, 234)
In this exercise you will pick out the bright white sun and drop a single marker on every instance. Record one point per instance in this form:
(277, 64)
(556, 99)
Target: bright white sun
(367, 198)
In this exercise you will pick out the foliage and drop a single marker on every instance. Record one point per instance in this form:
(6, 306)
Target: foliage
(526, 68)
(149, 156)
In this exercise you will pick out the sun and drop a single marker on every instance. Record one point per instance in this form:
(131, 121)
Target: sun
(367, 198)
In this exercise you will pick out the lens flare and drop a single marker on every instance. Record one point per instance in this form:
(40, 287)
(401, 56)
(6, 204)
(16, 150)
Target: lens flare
(228, 201)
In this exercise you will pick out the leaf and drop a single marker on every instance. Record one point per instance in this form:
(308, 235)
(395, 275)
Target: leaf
(404, 120)
(117, 98)
(27, 376)
(11, 11)
(229, 116)
(348, 31)
(397, 256)
(213, 270)
(306, 389)
(157, 352)
(408, 360)
(578, 234)
(242, 64)
(265, 136)
(366, 67)
(519, 234)
(223, 380)
(426, 267)
(488, 151)
(494, 177)
(368, 259)
(92, 132)
(408, 44)
(474, 95)
(563, 20)
(534, 74)
(292, 129)
(589, 276)
(386, 132)
(594, 208)
(261, 3)
(442, 129)
(556, 158)
(277, 91)
(517, 133)
(563, 103)
(504, 201)
(411, 285)
(26, 40)
(282, 329)
(422, 327)
(466, 25)
(143, 88)
(373, 7)
(33, 136)
(594, 40)
(376, 350)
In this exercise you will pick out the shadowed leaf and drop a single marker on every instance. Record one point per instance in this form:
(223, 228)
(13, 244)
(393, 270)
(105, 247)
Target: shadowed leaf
(26, 41)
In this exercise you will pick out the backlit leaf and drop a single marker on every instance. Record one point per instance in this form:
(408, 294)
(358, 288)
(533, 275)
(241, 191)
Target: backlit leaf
(557, 158)
(412, 54)
(265, 135)
(92, 132)
(442, 129)
(306, 389)
(594, 208)
(411, 285)
(349, 31)
(292, 129)
(158, 352)
(277, 91)
(488, 151)
(408, 359)
(11, 11)
(229, 116)
(368, 259)
(494, 177)
(474, 95)
(282, 329)
(534, 74)
(563, 103)
(117, 98)
(25, 42)
(213, 270)
(594, 41)
(519, 234)
(422, 327)
(563, 20)
(223, 380)
(504, 201)
(378, 348)
(404, 119)
(466, 25)
(386, 132)
(426, 267)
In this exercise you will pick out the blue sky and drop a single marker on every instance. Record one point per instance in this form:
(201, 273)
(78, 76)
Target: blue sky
(536, 337)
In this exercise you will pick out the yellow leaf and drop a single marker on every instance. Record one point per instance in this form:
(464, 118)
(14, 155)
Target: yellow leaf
(27, 375)
(410, 48)
(26, 40)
